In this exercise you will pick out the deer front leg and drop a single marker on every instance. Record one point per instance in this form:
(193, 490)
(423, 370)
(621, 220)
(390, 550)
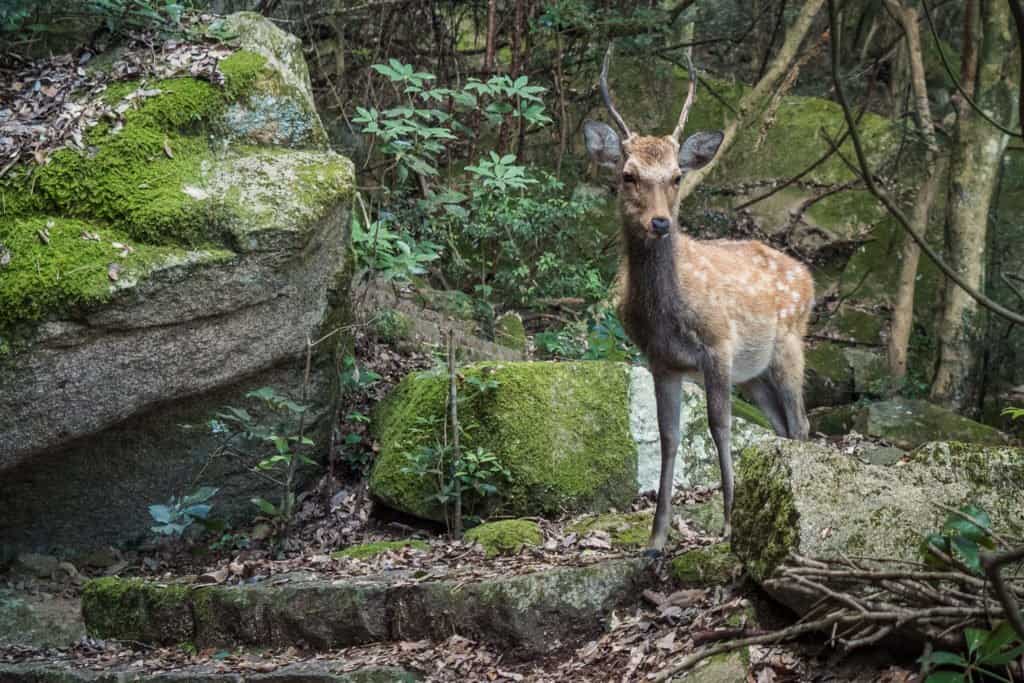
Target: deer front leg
(718, 386)
(668, 388)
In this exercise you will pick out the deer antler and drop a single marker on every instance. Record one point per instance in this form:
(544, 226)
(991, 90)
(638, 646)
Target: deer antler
(691, 96)
(608, 98)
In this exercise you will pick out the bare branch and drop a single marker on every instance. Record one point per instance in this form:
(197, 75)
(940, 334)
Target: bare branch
(993, 563)
(691, 92)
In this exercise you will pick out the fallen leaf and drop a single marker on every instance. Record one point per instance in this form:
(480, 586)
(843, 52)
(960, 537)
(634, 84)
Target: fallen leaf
(219, 576)
(44, 235)
(114, 271)
(167, 149)
(666, 642)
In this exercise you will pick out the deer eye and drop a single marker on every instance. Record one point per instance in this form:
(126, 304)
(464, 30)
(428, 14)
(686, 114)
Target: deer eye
(675, 181)
(628, 178)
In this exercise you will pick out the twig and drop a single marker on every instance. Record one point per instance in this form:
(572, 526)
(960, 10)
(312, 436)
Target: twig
(993, 562)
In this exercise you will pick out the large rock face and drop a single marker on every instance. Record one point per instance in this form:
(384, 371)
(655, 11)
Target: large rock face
(236, 253)
(810, 499)
(574, 437)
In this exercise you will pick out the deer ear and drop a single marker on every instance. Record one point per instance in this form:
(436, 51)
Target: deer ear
(603, 144)
(699, 149)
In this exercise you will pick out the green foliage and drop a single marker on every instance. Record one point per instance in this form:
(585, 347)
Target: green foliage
(354, 380)
(600, 337)
(117, 16)
(394, 254)
(510, 231)
(180, 512)
(987, 652)
(273, 444)
(475, 475)
(962, 537)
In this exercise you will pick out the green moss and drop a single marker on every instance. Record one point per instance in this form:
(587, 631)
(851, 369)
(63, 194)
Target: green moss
(707, 566)
(392, 326)
(748, 412)
(561, 429)
(133, 609)
(836, 421)
(241, 70)
(68, 272)
(627, 530)
(506, 537)
(368, 550)
(826, 359)
(763, 540)
(859, 326)
(509, 331)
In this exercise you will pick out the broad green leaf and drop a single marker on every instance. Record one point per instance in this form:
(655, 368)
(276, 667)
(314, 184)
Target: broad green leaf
(943, 658)
(945, 677)
(160, 513)
(966, 551)
(265, 506)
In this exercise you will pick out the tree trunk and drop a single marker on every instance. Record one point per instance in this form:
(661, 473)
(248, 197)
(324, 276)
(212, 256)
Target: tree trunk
(910, 252)
(753, 104)
(492, 10)
(974, 168)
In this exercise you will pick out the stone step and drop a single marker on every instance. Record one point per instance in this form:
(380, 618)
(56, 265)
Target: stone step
(526, 615)
(316, 672)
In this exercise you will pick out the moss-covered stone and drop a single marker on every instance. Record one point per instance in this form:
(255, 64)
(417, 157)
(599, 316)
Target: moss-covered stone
(528, 615)
(829, 375)
(707, 566)
(811, 499)
(509, 331)
(392, 326)
(904, 422)
(626, 529)
(505, 537)
(133, 609)
(365, 551)
(560, 429)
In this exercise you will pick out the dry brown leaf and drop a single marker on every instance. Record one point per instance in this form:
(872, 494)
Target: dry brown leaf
(114, 271)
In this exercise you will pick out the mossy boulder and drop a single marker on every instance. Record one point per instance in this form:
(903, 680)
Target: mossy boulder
(574, 437)
(560, 429)
(509, 331)
(527, 615)
(712, 565)
(829, 377)
(505, 537)
(810, 499)
(905, 423)
(181, 260)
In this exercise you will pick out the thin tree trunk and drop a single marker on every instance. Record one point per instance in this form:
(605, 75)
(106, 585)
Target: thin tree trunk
(934, 168)
(974, 168)
(492, 13)
(754, 102)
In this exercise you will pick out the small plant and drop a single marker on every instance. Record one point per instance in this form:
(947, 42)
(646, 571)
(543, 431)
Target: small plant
(961, 539)
(352, 380)
(966, 534)
(275, 443)
(987, 652)
(180, 513)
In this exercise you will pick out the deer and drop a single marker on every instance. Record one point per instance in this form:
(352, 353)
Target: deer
(723, 313)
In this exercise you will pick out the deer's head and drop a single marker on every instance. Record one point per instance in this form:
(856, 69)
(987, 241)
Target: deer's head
(650, 168)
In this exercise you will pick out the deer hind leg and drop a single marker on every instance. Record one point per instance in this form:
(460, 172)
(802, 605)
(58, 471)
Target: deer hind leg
(762, 392)
(668, 390)
(787, 377)
(718, 386)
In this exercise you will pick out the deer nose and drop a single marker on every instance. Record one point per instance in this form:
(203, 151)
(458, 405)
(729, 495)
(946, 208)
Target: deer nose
(660, 226)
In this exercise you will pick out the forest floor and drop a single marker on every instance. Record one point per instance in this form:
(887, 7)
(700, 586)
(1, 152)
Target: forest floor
(336, 513)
